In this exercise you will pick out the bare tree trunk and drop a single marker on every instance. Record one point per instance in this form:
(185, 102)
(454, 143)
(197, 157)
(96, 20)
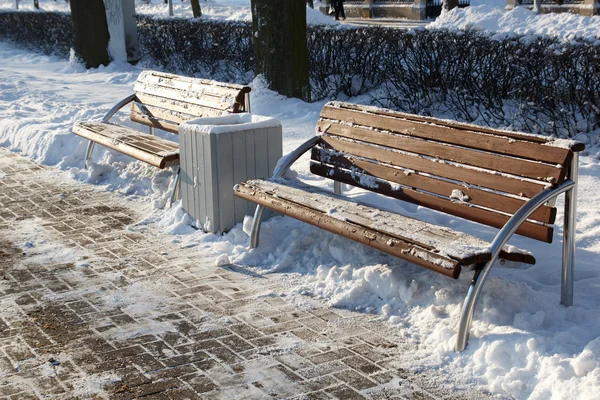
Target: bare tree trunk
(91, 32)
(17, 4)
(280, 50)
(537, 6)
(196, 8)
(36, 4)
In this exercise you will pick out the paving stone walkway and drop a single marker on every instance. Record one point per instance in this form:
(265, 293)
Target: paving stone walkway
(91, 308)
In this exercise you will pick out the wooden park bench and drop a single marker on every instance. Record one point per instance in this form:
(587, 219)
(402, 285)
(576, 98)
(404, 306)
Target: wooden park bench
(497, 178)
(162, 101)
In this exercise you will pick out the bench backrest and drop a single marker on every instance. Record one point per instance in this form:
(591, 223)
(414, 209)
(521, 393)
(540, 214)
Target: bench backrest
(480, 174)
(165, 100)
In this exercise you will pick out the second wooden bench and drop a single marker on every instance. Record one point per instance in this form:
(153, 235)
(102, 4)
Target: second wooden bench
(497, 178)
(162, 101)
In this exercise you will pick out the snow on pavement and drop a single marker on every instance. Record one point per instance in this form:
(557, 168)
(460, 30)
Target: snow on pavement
(523, 343)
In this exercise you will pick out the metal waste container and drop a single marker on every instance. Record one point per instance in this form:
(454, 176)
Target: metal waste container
(215, 154)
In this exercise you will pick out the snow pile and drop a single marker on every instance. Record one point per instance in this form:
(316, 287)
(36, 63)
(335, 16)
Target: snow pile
(519, 21)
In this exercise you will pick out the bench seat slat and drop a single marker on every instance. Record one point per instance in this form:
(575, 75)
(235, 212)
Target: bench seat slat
(477, 177)
(148, 148)
(404, 237)
(432, 184)
(463, 210)
(462, 155)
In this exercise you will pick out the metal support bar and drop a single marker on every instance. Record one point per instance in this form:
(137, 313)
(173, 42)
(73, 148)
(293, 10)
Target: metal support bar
(151, 130)
(106, 118)
(88, 154)
(176, 184)
(247, 103)
(337, 187)
(118, 106)
(283, 165)
(568, 255)
(497, 244)
(255, 231)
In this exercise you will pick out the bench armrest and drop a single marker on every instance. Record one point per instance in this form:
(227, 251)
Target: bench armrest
(288, 160)
(498, 243)
(118, 106)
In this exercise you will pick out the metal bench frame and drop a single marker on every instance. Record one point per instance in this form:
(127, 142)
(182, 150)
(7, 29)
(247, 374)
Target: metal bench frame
(569, 187)
(90, 148)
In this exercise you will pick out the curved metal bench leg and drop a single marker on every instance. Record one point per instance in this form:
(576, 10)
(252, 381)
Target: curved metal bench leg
(176, 185)
(88, 154)
(568, 258)
(254, 232)
(337, 187)
(466, 317)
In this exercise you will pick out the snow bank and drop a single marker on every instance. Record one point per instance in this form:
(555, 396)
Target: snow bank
(519, 21)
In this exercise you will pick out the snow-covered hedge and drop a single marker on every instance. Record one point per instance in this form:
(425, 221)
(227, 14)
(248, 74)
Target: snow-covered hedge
(535, 84)
(48, 32)
(207, 48)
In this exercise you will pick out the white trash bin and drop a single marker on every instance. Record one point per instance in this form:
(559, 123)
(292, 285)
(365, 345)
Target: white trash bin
(217, 153)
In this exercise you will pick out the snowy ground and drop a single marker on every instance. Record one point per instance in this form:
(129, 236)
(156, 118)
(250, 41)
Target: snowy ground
(524, 344)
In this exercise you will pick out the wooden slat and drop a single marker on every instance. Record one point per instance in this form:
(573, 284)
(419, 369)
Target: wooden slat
(378, 240)
(411, 230)
(166, 79)
(156, 123)
(486, 217)
(480, 159)
(179, 106)
(473, 176)
(172, 116)
(480, 197)
(150, 149)
(191, 91)
(507, 145)
(523, 137)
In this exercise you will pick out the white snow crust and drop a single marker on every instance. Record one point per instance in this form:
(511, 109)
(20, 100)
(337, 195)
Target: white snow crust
(491, 16)
(229, 123)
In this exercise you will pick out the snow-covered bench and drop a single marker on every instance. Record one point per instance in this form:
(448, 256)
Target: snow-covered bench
(162, 101)
(498, 178)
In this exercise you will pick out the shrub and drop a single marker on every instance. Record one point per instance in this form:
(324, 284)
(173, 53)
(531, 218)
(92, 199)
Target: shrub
(47, 32)
(534, 84)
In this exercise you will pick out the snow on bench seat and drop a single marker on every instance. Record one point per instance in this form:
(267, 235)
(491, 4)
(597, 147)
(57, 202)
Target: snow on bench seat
(151, 149)
(438, 248)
